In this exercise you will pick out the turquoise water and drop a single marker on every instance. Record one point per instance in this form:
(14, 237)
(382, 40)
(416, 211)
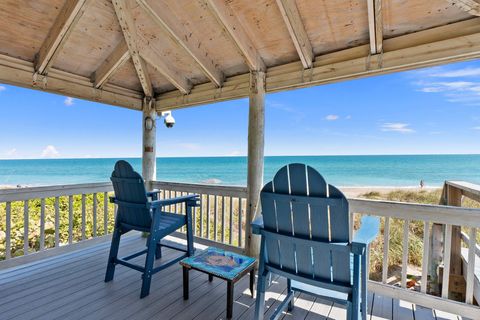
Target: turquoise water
(396, 170)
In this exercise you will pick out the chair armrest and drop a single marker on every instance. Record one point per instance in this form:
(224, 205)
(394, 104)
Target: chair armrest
(190, 200)
(257, 225)
(366, 234)
(153, 194)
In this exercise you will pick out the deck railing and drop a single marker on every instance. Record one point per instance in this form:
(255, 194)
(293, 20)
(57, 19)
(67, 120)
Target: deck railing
(220, 220)
(221, 216)
(426, 215)
(39, 218)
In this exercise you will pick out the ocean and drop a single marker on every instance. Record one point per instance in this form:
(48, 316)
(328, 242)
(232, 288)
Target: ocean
(346, 171)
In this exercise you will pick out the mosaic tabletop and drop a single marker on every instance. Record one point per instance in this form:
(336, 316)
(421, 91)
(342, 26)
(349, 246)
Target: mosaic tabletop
(220, 263)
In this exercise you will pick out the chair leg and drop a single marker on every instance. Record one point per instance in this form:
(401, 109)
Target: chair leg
(260, 301)
(289, 289)
(364, 289)
(190, 246)
(158, 251)
(147, 274)
(113, 255)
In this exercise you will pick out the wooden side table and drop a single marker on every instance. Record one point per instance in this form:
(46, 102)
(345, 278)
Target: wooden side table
(221, 264)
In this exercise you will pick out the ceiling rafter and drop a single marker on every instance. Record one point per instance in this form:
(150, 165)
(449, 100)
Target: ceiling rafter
(65, 22)
(129, 32)
(230, 23)
(187, 41)
(375, 25)
(140, 49)
(470, 6)
(115, 60)
(293, 21)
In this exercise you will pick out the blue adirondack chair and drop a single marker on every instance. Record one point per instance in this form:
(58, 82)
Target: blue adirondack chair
(304, 231)
(137, 212)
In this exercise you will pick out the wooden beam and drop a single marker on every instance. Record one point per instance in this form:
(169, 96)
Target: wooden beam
(256, 146)
(232, 26)
(450, 43)
(122, 10)
(149, 130)
(187, 40)
(293, 21)
(58, 34)
(470, 6)
(115, 60)
(375, 25)
(19, 73)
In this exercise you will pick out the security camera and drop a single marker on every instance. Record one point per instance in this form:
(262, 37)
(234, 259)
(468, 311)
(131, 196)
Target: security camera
(169, 120)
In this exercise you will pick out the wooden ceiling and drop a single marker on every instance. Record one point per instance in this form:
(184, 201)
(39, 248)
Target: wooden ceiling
(187, 52)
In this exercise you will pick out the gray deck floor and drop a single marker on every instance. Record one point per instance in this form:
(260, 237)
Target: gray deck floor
(71, 286)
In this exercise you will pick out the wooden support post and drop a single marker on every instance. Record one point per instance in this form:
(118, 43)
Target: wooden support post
(149, 161)
(256, 141)
(454, 198)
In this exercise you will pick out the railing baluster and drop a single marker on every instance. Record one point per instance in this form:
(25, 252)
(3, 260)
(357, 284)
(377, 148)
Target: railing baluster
(230, 235)
(240, 231)
(195, 231)
(8, 232)
(25, 227)
(94, 215)
(223, 219)
(105, 213)
(215, 219)
(405, 253)
(446, 260)
(42, 224)
(386, 245)
(426, 252)
(84, 217)
(208, 216)
(471, 265)
(70, 219)
(201, 215)
(57, 221)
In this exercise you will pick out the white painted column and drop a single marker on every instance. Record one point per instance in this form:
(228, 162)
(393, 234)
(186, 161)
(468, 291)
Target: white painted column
(256, 142)
(149, 126)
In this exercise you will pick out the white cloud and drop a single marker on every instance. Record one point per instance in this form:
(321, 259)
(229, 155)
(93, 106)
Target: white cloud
(476, 128)
(3, 88)
(458, 90)
(331, 117)
(234, 153)
(50, 152)
(190, 146)
(68, 101)
(11, 152)
(397, 127)
(466, 72)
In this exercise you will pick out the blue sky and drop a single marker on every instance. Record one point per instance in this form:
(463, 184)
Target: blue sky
(428, 111)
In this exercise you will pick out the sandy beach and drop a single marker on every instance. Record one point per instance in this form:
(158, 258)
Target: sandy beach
(354, 192)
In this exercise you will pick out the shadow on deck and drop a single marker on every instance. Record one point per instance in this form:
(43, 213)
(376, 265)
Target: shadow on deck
(71, 286)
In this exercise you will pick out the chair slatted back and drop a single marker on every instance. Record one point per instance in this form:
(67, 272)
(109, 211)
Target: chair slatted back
(130, 189)
(299, 204)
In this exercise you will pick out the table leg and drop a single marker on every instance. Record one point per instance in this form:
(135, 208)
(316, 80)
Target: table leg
(185, 283)
(210, 278)
(252, 282)
(230, 286)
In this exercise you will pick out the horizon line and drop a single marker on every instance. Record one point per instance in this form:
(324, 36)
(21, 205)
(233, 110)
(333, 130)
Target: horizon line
(245, 156)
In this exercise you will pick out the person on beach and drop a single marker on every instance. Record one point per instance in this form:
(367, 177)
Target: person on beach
(422, 184)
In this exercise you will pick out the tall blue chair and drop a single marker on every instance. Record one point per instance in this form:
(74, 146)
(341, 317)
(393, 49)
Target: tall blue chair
(304, 231)
(137, 212)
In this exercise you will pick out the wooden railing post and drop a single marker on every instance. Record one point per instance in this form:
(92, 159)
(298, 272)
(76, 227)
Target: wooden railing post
(256, 141)
(451, 196)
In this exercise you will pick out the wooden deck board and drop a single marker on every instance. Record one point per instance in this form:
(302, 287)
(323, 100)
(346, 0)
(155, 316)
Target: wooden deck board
(71, 286)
